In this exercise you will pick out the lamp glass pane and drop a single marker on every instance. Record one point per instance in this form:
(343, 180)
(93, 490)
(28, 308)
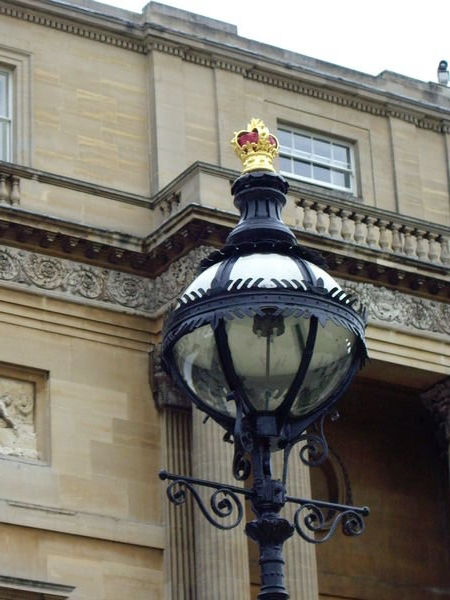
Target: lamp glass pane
(266, 353)
(199, 365)
(333, 354)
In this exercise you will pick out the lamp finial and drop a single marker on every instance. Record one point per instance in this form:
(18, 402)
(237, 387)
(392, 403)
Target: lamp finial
(256, 147)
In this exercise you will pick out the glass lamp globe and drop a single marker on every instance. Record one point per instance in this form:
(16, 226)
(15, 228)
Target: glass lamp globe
(263, 333)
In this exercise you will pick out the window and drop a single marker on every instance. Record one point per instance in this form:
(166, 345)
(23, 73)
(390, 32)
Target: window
(5, 115)
(317, 159)
(15, 105)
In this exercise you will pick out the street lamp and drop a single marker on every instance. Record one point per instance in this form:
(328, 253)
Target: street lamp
(264, 341)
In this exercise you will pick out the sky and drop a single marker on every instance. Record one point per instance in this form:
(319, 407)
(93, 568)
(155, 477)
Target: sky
(405, 37)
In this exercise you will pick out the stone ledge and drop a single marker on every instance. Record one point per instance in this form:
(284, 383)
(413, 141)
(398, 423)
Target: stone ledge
(18, 588)
(137, 533)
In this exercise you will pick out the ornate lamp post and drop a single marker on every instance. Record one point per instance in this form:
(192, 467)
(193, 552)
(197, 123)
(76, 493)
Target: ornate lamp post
(264, 341)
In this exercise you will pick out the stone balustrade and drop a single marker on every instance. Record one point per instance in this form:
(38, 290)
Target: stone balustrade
(341, 220)
(374, 229)
(9, 189)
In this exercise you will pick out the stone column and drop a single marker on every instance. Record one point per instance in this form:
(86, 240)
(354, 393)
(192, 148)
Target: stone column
(437, 401)
(221, 557)
(176, 420)
(180, 554)
(299, 555)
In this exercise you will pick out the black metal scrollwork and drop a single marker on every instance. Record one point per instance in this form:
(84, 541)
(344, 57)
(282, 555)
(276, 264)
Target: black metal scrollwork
(241, 466)
(310, 517)
(315, 451)
(224, 502)
(243, 443)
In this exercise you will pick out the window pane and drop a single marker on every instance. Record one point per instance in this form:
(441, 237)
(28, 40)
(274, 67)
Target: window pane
(341, 153)
(339, 178)
(317, 159)
(4, 109)
(4, 141)
(285, 138)
(302, 143)
(322, 148)
(301, 168)
(322, 174)
(285, 164)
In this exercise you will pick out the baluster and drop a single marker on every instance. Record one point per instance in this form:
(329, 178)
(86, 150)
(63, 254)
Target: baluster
(445, 251)
(422, 245)
(308, 216)
(410, 246)
(372, 237)
(15, 190)
(334, 228)
(384, 240)
(3, 188)
(360, 229)
(346, 227)
(396, 239)
(321, 222)
(434, 253)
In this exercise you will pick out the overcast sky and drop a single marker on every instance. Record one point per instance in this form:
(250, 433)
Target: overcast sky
(407, 37)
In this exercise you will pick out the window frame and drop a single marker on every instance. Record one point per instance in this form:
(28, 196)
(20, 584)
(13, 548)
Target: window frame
(17, 62)
(8, 118)
(314, 159)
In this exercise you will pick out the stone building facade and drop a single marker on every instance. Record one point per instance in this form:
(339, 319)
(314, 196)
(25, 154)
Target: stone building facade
(115, 179)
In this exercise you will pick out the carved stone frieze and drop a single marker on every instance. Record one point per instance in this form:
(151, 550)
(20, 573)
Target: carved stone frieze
(117, 290)
(170, 284)
(17, 418)
(397, 308)
(72, 280)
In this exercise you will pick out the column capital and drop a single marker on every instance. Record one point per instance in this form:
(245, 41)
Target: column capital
(165, 393)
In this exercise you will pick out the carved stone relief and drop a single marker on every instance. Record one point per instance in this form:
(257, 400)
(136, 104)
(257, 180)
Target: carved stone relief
(141, 295)
(51, 275)
(17, 418)
(391, 306)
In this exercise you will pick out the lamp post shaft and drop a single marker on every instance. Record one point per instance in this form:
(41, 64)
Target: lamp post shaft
(268, 530)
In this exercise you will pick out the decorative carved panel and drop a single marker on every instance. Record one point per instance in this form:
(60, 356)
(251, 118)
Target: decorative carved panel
(17, 418)
(23, 413)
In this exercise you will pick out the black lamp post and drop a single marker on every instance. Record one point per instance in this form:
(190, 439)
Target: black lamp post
(264, 341)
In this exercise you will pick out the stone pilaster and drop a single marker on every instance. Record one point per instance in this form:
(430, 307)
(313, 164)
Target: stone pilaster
(176, 458)
(180, 555)
(221, 557)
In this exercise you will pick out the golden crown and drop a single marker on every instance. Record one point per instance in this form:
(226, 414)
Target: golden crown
(256, 147)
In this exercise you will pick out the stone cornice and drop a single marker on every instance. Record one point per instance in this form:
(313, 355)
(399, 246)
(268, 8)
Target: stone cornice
(360, 241)
(300, 191)
(61, 18)
(302, 79)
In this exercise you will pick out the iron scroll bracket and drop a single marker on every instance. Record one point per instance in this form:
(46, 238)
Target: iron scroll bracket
(315, 521)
